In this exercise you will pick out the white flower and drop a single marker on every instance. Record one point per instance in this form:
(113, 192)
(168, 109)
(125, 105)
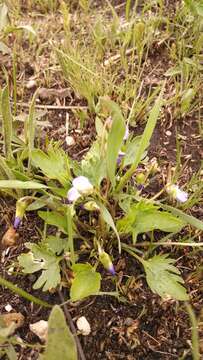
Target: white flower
(83, 185)
(177, 193)
(73, 194)
(127, 133)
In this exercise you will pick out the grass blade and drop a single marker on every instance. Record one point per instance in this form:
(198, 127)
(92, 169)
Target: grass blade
(6, 122)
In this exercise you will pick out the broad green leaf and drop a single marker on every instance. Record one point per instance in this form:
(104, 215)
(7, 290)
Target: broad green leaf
(60, 344)
(7, 121)
(145, 140)
(164, 278)
(86, 282)
(115, 137)
(3, 16)
(189, 219)
(41, 258)
(131, 150)
(54, 164)
(93, 165)
(109, 220)
(17, 184)
(144, 217)
(11, 353)
(54, 218)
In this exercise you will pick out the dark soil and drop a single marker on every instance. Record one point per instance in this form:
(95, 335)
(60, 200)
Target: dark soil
(142, 326)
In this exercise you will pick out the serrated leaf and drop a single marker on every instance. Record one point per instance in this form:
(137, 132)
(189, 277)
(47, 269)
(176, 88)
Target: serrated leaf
(54, 164)
(54, 218)
(17, 184)
(41, 258)
(86, 282)
(60, 343)
(144, 217)
(164, 278)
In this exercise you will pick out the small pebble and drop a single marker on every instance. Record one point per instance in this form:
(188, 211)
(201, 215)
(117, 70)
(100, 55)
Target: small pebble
(83, 326)
(168, 133)
(8, 308)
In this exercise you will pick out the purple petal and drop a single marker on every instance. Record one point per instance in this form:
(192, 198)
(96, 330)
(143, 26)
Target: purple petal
(121, 154)
(17, 222)
(112, 270)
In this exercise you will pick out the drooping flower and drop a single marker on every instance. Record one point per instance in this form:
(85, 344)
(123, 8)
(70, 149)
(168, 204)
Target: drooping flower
(177, 193)
(91, 206)
(81, 186)
(105, 259)
(21, 206)
(73, 194)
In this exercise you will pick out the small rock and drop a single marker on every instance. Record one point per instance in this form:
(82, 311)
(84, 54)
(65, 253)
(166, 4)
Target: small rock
(83, 326)
(70, 141)
(168, 133)
(8, 308)
(31, 84)
(40, 328)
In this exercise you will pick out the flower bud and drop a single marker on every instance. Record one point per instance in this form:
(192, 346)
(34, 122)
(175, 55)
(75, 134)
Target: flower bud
(105, 259)
(83, 185)
(91, 206)
(140, 178)
(21, 206)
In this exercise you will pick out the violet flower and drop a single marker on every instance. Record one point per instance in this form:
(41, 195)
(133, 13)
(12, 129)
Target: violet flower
(177, 193)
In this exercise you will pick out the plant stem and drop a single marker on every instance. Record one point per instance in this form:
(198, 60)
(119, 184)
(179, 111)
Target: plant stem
(23, 293)
(194, 330)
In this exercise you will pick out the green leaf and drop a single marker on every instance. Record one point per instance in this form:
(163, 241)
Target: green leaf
(54, 164)
(145, 140)
(17, 184)
(54, 218)
(41, 258)
(195, 6)
(115, 137)
(144, 217)
(131, 151)
(29, 127)
(93, 165)
(3, 16)
(189, 219)
(109, 220)
(164, 278)
(60, 343)
(86, 282)
(186, 100)
(7, 121)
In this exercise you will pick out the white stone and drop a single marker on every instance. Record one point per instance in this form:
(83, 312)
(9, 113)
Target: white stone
(40, 328)
(83, 326)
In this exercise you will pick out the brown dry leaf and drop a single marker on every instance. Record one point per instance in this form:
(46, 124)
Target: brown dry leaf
(13, 318)
(10, 237)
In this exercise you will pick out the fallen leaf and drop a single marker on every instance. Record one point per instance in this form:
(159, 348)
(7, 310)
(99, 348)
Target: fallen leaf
(10, 237)
(13, 318)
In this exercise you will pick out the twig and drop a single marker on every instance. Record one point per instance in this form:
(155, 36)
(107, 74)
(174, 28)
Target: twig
(115, 58)
(52, 107)
(81, 355)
